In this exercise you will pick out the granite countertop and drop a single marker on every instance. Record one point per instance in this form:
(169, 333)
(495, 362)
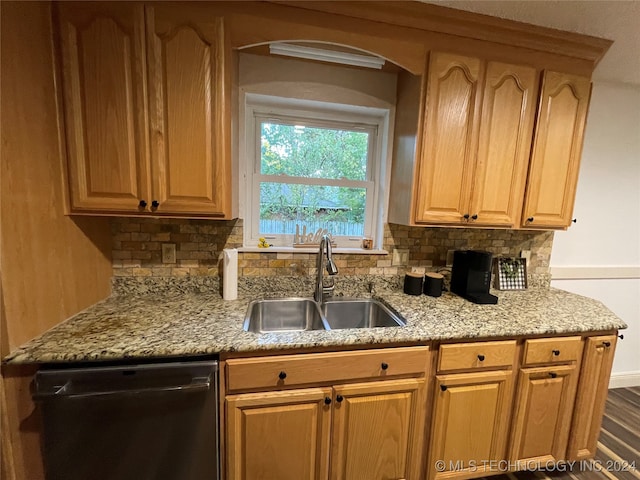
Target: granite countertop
(146, 325)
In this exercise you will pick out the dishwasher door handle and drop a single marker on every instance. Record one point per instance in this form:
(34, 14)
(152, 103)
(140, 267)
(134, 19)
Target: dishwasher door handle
(65, 391)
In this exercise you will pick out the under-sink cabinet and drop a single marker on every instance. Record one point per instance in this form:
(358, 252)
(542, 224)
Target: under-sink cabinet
(342, 415)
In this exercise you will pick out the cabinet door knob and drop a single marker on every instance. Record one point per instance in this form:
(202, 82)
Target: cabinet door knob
(339, 398)
(384, 366)
(555, 352)
(155, 204)
(443, 388)
(466, 216)
(481, 358)
(553, 374)
(327, 400)
(142, 204)
(530, 219)
(575, 220)
(621, 337)
(282, 375)
(474, 217)
(606, 344)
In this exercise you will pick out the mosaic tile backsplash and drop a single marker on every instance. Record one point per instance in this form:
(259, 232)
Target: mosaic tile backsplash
(137, 249)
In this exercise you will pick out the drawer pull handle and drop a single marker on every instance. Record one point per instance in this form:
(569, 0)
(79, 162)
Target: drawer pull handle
(481, 358)
(327, 400)
(606, 344)
(556, 352)
(553, 374)
(339, 398)
(621, 337)
(443, 388)
(282, 375)
(384, 366)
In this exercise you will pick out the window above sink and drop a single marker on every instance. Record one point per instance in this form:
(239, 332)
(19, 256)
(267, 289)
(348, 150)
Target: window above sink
(316, 163)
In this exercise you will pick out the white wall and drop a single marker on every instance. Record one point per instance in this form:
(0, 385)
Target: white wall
(599, 256)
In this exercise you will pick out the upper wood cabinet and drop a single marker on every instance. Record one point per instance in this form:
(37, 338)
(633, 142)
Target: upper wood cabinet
(188, 111)
(450, 131)
(506, 127)
(146, 109)
(475, 141)
(557, 147)
(103, 73)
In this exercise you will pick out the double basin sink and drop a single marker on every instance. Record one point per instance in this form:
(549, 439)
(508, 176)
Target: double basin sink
(300, 314)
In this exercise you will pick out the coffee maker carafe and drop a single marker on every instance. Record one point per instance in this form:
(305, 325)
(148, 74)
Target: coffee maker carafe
(471, 276)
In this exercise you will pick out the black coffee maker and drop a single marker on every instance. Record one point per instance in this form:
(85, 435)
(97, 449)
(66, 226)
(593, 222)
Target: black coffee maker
(471, 276)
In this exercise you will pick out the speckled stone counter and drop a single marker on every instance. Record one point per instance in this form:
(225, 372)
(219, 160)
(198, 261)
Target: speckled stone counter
(174, 324)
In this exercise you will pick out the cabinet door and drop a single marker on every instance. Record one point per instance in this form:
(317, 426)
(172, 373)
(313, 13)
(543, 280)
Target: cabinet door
(449, 139)
(103, 76)
(591, 396)
(378, 430)
(544, 404)
(188, 95)
(504, 145)
(470, 422)
(557, 148)
(278, 435)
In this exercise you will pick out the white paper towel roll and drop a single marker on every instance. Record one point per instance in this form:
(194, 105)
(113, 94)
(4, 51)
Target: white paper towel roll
(229, 273)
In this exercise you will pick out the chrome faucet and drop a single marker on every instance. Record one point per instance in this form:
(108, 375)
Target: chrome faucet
(321, 289)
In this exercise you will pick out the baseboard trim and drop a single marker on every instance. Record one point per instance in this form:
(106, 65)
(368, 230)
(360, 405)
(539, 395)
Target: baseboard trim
(626, 379)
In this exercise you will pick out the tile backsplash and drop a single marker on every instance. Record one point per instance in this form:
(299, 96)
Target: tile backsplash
(137, 249)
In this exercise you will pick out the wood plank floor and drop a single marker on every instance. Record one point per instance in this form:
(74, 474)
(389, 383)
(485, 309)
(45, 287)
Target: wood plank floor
(619, 444)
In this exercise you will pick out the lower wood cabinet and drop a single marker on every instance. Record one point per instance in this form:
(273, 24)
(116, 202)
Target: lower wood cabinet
(375, 430)
(279, 435)
(591, 396)
(356, 415)
(360, 415)
(543, 411)
(470, 423)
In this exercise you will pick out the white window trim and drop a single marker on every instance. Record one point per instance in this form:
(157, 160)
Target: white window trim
(258, 107)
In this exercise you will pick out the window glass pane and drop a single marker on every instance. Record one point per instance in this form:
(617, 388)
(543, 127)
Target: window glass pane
(340, 210)
(313, 152)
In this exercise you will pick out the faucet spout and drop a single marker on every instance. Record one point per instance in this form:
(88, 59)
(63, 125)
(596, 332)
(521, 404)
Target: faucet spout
(324, 253)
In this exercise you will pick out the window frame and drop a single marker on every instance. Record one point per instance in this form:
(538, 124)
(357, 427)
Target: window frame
(260, 108)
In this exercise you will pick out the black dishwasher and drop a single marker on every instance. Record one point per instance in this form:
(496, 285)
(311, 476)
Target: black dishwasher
(139, 422)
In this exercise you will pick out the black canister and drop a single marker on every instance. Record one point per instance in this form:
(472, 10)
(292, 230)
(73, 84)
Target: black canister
(433, 284)
(413, 283)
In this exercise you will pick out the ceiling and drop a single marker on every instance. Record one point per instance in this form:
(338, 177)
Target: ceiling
(612, 19)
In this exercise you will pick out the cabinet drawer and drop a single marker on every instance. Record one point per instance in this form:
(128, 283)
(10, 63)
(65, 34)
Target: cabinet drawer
(552, 350)
(470, 356)
(324, 368)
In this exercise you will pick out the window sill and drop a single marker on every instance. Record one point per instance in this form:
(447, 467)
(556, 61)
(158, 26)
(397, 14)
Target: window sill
(351, 251)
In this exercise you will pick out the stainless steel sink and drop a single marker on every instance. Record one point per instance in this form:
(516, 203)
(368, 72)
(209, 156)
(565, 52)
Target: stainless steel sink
(359, 313)
(284, 315)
